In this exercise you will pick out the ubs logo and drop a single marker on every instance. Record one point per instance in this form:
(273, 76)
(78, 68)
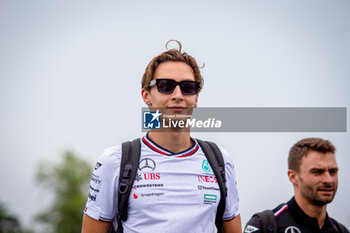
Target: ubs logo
(292, 229)
(147, 164)
(138, 177)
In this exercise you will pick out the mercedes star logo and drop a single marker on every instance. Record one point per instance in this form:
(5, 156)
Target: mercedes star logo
(292, 229)
(147, 164)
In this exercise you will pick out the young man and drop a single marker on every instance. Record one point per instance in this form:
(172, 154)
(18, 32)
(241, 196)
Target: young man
(313, 171)
(175, 189)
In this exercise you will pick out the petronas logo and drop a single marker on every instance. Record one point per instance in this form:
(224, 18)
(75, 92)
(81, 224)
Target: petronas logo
(206, 166)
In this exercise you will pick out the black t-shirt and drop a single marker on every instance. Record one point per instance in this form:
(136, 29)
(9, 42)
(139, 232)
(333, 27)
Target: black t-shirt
(291, 219)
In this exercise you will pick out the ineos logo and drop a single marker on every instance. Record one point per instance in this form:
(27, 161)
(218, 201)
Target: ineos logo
(292, 229)
(147, 164)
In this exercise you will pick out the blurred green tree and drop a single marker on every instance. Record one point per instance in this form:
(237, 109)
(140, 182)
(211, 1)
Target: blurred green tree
(68, 182)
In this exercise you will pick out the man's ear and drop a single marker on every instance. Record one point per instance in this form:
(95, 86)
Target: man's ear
(292, 175)
(146, 96)
(196, 101)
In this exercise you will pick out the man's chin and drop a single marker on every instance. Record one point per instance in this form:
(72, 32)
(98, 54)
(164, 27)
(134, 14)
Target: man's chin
(322, 201)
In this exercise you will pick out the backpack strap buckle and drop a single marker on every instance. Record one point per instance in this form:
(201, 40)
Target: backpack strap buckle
(123, 188)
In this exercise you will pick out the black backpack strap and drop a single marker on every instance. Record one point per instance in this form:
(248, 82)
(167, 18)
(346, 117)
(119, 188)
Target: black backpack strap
(216, 161)
(128, 169)
(268, 221)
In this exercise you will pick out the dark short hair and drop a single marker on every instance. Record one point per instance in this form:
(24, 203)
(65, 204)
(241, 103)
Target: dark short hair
(302, 147)
(172, 55)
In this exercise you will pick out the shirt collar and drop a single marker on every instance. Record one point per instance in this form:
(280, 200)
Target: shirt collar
(302, 218)
(157, 148)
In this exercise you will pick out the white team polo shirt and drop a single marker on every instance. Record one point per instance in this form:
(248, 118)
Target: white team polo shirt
(171, 193)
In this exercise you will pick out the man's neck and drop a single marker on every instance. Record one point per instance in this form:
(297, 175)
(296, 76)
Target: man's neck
(172, 141)
(314, 211)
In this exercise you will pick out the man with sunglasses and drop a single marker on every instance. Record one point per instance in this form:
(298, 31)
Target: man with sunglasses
(175, 189)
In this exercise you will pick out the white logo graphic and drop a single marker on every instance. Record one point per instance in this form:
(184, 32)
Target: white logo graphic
(292, 229)
(151, 120)
(250, 229)
(156, 115)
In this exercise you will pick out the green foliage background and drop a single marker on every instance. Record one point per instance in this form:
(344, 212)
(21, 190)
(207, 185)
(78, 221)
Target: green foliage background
(68, 182)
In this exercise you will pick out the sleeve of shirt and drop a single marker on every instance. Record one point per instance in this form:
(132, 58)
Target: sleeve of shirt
(232, 200)
(103, 192)
(253, 225)
(341, 228)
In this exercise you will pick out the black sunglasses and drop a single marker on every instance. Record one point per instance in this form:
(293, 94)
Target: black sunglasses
(167, 86)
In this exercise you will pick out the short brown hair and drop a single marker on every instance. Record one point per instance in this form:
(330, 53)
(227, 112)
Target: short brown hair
(302, 147)
(172, 55)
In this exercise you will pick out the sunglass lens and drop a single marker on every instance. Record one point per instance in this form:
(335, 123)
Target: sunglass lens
(165, 86)
(189, 88)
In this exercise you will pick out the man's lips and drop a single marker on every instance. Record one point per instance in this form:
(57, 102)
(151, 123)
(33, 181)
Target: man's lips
(326, 191)
(177, 108)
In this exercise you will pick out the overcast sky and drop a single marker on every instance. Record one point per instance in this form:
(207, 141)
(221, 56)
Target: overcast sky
(70, 76)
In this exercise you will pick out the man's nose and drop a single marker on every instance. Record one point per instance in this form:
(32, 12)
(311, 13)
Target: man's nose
(177, 94)
(327, 178)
